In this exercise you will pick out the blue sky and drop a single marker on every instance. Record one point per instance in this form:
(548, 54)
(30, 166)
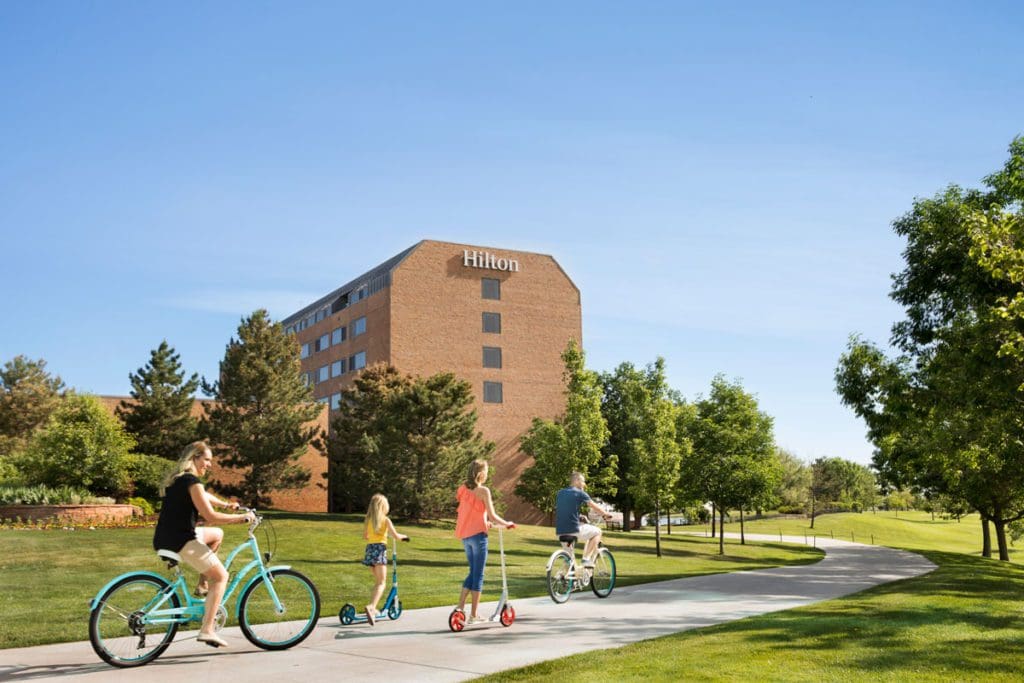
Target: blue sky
(719, 181)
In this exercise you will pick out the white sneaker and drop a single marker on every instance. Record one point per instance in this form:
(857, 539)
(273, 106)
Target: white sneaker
(588, 563)
(476, 620)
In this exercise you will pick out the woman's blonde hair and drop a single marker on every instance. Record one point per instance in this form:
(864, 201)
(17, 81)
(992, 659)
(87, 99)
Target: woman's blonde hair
(477, 474)
(186, 464)
(377, 512)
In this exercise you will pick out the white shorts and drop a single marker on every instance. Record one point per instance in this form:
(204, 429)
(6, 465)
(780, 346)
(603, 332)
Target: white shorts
(586, 532)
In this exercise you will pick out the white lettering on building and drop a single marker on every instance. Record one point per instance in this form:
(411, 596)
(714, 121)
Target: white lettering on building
(483, 259)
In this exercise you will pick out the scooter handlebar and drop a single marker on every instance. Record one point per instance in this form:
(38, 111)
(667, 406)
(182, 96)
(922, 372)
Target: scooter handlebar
(406, 539)
(511, 525)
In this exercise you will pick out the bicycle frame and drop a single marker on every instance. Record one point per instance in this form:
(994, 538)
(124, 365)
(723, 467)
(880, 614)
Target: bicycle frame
(193, 609)
(580, 580)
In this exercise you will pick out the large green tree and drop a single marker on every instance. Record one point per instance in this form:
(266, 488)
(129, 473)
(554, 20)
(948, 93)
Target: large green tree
(656, 452)
(793, 490)
(570, 443)
(259, 420)
(944, 413)
(731, 439)
(160, 414)
(81, 444)
(410, 438)
(28, 395)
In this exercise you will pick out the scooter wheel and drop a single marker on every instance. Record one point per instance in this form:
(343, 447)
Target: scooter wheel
(395, 609)
(508, 615)
(457, 620)
(347, 614)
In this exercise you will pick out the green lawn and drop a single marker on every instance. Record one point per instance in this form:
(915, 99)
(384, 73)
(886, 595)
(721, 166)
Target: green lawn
(964, 621)
(48, 577)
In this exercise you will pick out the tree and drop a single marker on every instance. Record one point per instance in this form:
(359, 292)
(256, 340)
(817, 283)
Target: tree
(626, 396)
(409, 437)
(81, 444)
(160, 416)
(794, 487)
(28, 395)
(944, 415)
(657, 452)
(731, 437)
(572, 443)
(260, 419)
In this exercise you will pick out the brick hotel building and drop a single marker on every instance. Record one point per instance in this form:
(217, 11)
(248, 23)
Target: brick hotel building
(497, 318)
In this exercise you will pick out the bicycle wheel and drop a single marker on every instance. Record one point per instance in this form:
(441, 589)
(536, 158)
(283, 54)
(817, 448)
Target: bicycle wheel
(559, 578)
(117, 629)
(603, 580)
(269, 629)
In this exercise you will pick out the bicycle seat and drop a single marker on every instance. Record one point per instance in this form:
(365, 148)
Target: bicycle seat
(567, 538)
(169, 556)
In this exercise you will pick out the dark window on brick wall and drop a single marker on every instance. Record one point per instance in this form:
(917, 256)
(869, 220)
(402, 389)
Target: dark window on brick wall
(490, 288)
(492, 392)
(492, 323)
(492, 356)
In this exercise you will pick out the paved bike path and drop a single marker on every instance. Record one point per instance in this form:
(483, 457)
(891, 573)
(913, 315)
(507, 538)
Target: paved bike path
(419, 646)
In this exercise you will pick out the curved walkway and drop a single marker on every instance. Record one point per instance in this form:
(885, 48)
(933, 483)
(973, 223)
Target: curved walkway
(419, 646)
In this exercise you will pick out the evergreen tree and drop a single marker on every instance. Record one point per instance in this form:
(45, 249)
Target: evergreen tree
(259, 421)
(411, 438)
(570, 444)
(28, 395)
(160, 417)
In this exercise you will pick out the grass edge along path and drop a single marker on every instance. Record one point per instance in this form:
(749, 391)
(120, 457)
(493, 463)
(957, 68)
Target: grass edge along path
(48, 577)
(963, 621)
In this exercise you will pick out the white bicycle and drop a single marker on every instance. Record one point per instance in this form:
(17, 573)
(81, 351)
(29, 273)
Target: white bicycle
(566, 576)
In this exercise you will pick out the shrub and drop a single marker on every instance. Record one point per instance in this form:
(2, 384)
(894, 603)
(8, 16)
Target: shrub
(9, 474)
(791, 510)
(144, 505)
(146, 473)
(80, 444)
(46, 495)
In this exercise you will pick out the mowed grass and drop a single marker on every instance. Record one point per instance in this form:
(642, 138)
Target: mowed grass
(47, 578)
(962, 622)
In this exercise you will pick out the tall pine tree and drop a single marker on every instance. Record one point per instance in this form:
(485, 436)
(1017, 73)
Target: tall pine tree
(160, 416)
(259, 421)
(28, 395)
(411, 438)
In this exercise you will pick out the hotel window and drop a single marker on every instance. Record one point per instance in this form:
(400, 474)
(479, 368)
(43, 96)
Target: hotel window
(338, 368)
(358, 326)
(323, 342)
(492, 356)
(492, 323)
(490, 288)
(492, 392)
(335, 401)
(321, 314)
(357, 361)
(323, 375)
(289, 330)
(338, 335)
(325, 400)
(305, 351)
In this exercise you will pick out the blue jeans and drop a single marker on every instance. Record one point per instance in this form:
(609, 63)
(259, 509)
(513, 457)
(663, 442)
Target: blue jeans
(476, 553)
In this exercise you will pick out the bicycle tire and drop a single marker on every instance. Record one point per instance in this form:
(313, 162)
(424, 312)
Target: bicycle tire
(560, 584)
(115, 629)
(603, 579)
(264, 626)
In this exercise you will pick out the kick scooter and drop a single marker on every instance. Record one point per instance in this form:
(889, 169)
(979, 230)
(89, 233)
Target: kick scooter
(392, 606)
(504, 613)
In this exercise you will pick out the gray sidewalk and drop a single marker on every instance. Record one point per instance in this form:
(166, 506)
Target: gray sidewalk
(419, 646)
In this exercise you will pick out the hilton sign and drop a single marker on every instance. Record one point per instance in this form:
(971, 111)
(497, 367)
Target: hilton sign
(483, 259)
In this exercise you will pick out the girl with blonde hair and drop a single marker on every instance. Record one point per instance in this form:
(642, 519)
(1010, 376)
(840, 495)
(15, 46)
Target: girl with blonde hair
(184, 500)
(475, 516)
(376, 528)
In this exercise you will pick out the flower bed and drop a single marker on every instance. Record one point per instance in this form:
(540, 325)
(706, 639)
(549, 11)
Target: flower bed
(110, 514)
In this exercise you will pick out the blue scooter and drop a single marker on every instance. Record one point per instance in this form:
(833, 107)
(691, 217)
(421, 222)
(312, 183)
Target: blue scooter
(392, 605)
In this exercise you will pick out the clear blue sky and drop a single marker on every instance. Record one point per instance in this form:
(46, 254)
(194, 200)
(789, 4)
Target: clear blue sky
(718, 180)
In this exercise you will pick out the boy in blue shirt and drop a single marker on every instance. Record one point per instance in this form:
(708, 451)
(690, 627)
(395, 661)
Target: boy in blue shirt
(567, 516)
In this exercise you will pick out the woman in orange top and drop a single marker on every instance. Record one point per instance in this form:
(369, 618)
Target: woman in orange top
(476, 515)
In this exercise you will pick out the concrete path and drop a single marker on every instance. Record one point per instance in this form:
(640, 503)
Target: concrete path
(419, 646)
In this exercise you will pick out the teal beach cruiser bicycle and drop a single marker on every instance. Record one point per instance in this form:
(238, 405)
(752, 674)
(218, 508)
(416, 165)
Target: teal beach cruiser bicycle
(134, 618)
